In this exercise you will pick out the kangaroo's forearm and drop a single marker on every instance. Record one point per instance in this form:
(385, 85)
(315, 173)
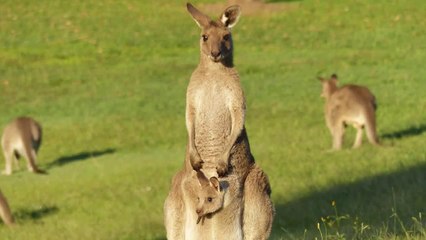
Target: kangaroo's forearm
(237, 118)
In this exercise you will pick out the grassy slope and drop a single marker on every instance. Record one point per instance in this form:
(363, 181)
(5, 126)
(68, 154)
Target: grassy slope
(107, 80)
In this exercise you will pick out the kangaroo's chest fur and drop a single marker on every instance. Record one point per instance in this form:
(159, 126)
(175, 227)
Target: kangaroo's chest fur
(213, 94)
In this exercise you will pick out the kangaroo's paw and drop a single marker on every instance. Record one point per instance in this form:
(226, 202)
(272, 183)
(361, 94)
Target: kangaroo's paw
(222, 168)
(196, 161)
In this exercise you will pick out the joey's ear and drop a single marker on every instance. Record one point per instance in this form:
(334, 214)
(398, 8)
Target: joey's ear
(202, 179)
(215, 182)
(200, 18)
(230, 16)
(334, 78)
(321, 79)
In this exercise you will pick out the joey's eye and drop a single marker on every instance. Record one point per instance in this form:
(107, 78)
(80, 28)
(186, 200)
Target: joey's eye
(198, 199)
(204, 37)
(226, 37)
(209, 199)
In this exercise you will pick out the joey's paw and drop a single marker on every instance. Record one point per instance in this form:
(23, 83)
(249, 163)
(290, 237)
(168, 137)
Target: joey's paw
(197, 165)
(222, 168)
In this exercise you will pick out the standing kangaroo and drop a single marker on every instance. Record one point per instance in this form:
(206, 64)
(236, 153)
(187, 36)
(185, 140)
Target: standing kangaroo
(215, 104)
(349, 104)
(5, 212)
(217, 144)
(21, 137)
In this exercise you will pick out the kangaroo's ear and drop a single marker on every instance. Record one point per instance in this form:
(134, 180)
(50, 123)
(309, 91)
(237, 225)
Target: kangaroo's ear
(215, 182)
(334, 78)
(230, 16)
(202, 179)
(200, 18)
(321, 79)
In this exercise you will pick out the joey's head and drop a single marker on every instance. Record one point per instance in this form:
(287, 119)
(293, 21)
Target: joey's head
(216, 38)
(329, 86)
(210, 197)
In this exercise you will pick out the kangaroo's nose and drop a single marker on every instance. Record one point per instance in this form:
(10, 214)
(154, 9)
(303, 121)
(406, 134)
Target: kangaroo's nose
(215, 54)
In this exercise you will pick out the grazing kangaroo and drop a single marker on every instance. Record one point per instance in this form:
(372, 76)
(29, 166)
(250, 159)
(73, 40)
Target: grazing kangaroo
(5, 212)
(21, 137)
(349, 104)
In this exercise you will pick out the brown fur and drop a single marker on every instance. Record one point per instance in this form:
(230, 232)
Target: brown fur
(211, 196)
(349, 105)
(234, 216)
(5, 212)
(215, 104)
(221, 218)
(257, 220)
(174, 208)
(217, 143)
(22, 137)
(188, 218)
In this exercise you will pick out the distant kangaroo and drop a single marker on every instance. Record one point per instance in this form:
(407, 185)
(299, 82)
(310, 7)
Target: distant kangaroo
(5, 212)
(22, 137)
(349, 104)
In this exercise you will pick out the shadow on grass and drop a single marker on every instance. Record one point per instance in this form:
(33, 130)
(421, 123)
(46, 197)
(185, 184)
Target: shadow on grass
(35, 214)
(409, 132)
(79, 157)
(370, 201)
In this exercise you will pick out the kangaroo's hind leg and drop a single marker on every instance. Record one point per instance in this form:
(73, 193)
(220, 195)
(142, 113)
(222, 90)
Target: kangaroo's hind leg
(358, 138)
(370, 128)
(8, 163)
(338, 132)
(259, 210)
(31, 155)
(8, 157)
(5, 212)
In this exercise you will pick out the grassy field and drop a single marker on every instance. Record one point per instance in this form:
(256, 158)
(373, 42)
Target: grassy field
(107, 80)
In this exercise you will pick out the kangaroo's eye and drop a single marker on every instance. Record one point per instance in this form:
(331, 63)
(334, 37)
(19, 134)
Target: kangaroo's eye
(226, 37)
(198, 199)
(209, 199)
(204, 37)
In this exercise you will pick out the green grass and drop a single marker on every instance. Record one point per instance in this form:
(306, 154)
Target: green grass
(107, 80)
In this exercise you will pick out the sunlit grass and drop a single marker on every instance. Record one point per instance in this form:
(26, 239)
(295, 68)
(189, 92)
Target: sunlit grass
(107, 80)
